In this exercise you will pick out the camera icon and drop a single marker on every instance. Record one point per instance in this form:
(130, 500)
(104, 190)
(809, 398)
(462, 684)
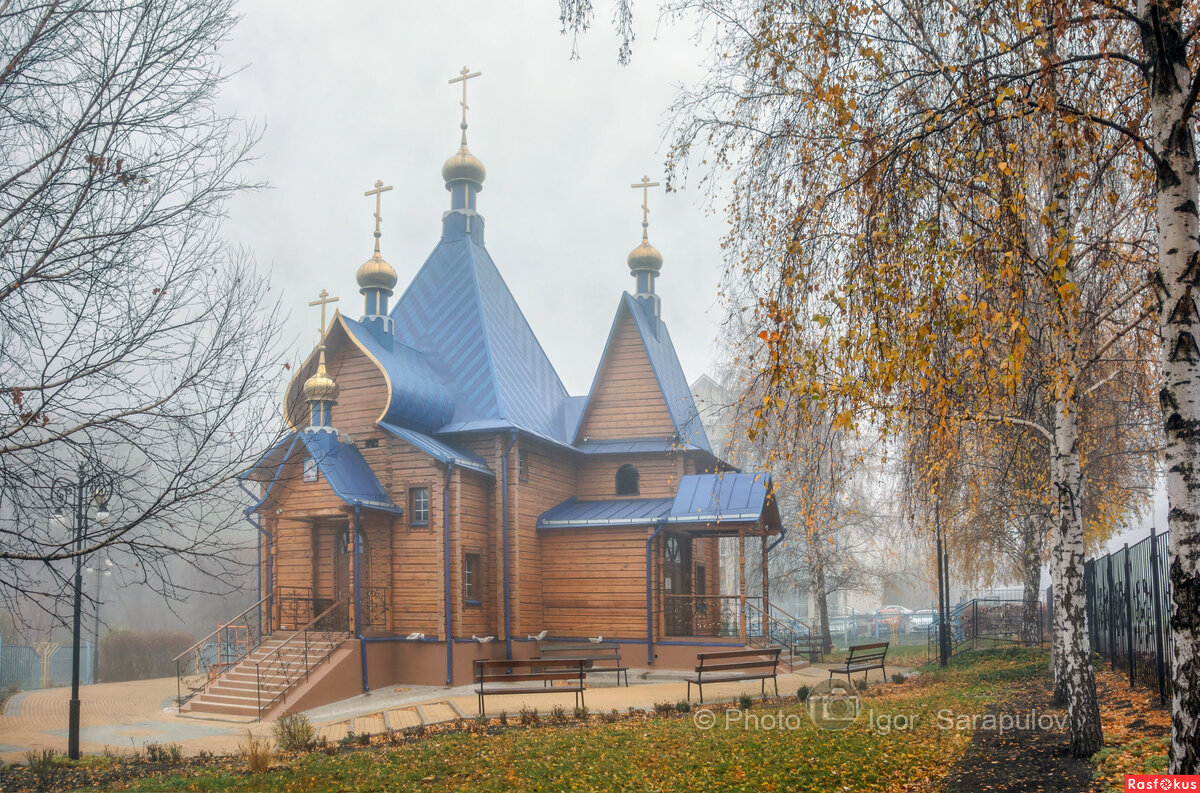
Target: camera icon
(833, 705)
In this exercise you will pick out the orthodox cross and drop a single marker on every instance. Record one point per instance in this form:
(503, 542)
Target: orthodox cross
(323, 300)
(378, 193)
(464, 75)
(645, 185)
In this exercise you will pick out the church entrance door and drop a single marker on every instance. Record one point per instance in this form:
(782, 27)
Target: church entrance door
(677, 584)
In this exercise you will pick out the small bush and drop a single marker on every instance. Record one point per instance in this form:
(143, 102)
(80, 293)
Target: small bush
(558, 714)
(861, 685)
(898, 678)
(41, 767)
(744, 701)
(481, 722)
(802, 693)
(205, 755)
(612, 715)
(581, 712)
(529, 717)
(393, 737)
(663, 708)
(257, 753)
(683, 706)
(504, 718)
(347, 739)
(294, 733)
(364, 739)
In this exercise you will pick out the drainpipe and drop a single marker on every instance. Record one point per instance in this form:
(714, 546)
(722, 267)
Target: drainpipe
(649, 615)
(446, 540)
(248, 514)
(504, 508)
(362, 644)
(782, 534)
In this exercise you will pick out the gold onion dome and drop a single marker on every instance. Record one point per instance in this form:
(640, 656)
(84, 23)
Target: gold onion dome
(464, 166)
(645, 257)
(320, 387)
(375, 273)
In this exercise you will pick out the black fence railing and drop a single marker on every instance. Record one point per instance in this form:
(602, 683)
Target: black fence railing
(985, 623)
(1128, 603)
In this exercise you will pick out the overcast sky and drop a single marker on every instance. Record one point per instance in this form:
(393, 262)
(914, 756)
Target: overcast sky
(351, 93)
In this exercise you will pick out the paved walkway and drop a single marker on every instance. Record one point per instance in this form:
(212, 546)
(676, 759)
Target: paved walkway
(124, 717)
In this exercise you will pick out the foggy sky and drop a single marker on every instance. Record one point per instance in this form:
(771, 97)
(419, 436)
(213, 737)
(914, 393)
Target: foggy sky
(353, 93)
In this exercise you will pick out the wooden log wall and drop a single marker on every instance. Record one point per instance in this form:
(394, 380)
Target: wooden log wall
(594, 581)
(627, 402)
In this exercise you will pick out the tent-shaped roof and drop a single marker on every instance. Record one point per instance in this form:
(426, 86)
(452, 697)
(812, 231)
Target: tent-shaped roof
(667, 371)
(725, 498)
(459, 312)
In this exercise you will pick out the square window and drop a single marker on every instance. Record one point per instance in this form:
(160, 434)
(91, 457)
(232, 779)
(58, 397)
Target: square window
(523, 466)
(418, 506)
(371, 443)
(472, 578)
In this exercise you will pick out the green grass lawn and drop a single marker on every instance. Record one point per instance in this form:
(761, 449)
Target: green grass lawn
(663, 752)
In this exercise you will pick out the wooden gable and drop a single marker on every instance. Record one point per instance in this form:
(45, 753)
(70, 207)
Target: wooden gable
(626, 400)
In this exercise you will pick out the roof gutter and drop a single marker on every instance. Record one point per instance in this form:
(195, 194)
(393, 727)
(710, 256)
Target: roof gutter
(649, 614)
(504, 524)
(779, 539)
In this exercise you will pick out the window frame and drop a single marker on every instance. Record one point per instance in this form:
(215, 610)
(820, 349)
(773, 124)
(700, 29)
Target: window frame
(522, 465)
(472, 578)
(637, 480)
(412, 506)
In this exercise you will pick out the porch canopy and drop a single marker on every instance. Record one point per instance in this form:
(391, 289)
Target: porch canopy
(715, 504)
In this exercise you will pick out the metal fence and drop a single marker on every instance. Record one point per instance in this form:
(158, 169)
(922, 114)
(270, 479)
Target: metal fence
(21, 666)
(1128, 604)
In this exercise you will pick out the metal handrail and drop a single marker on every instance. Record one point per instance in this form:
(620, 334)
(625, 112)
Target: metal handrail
(197, 648)
(275, 656)
(767, 620)
(220, 626)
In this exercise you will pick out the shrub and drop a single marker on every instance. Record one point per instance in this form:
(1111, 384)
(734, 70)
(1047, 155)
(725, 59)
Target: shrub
(744, 701)
(347, 739)
(481, 722)
(139, 655)
(861, 685)
(504, 718)
(205, 755)
(898, 678)
(529, 716)
(683, 706)
(663, 708)
(364, 739)
(802, 693)
(41, 767)
(558, 714)
(294, 733)
(164, 753)
(257, 752)
(581, 712)
(612, 715)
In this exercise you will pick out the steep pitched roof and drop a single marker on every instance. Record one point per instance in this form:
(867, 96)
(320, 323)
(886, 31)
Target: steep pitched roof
(459, 312)
(668, 372)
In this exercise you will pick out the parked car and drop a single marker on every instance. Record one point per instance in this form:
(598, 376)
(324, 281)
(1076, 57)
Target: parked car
(894, 616)
(922, 621)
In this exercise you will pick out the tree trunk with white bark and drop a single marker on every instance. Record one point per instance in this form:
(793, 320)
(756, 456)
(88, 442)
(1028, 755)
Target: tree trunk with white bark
(1031, 568)
(1177, 284)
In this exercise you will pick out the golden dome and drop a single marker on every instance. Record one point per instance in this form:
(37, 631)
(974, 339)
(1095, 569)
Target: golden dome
(645, 257)
(320, 387)
(464, 166)
(375, 273)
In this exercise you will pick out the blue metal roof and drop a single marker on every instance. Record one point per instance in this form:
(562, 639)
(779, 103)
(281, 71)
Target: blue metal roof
(419, 397)
(618, 512)
(348, 474)
(634, 446)
(439, 450)
(726, 498)
(459, 312)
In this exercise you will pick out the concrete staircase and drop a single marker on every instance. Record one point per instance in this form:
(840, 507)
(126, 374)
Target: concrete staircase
(236, 691)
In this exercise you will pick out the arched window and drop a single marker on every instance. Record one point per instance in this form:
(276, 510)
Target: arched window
(627, 481)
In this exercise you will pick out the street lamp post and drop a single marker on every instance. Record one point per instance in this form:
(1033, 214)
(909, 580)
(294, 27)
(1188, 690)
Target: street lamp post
(101, 574)
(98, 484)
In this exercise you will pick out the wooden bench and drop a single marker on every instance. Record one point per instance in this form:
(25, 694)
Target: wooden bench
(863, 658)
(810, 647)
(608, 656)
(497, 677)
(730, 666)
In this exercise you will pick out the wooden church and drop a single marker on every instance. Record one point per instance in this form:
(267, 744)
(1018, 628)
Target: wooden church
(442, 498)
